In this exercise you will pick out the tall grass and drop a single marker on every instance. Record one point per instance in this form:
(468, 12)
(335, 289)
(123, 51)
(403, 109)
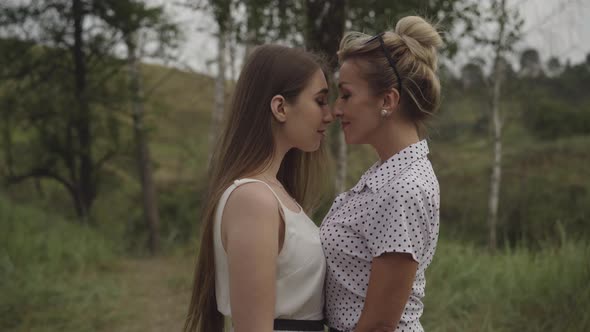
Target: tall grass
(513, 290)
(48, 269)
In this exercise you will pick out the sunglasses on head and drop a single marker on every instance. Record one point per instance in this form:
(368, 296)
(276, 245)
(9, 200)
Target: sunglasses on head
(388, 56)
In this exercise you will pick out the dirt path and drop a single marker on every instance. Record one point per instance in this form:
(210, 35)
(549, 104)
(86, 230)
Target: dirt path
(154, 294)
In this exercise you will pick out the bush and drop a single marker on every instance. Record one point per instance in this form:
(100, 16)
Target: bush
(180, 210)
(551, 118)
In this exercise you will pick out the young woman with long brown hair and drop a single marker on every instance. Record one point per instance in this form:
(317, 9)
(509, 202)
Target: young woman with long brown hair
(261, 262)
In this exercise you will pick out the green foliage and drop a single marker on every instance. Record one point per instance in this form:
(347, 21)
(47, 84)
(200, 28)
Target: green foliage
(548, 193)
(373, 16)
(66, 96)
(47, 262)
(51, 268)
(557, 106)
(544, 189)
(179, 219)
(544, 182)
(551, 118)
(513, 290)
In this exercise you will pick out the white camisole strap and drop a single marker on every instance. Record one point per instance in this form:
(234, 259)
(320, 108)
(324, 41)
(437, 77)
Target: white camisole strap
(283, 206)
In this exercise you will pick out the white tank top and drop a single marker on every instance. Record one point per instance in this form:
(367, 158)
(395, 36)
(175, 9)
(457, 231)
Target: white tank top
(301, 265)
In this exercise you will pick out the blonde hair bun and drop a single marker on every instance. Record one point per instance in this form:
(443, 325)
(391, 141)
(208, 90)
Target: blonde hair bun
(421, 38)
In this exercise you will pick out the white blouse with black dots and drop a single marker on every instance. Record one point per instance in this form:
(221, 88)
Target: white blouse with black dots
(393, 208)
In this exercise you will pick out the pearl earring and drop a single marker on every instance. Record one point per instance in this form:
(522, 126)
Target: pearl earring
(385, 113)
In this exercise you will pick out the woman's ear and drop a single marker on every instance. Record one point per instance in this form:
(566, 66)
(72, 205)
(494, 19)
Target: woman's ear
(277, 106)
(391, 100)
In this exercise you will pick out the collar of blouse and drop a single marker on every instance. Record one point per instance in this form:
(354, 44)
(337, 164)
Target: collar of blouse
(379, 174)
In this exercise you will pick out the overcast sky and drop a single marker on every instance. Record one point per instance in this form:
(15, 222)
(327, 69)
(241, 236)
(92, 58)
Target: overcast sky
(554, 27)
(558, 27)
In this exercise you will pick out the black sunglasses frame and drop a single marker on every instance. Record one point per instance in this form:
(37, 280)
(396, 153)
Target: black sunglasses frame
(388, 56)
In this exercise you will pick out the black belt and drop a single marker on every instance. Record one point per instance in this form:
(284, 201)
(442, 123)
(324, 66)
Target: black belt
(298, 325)
(334, 330)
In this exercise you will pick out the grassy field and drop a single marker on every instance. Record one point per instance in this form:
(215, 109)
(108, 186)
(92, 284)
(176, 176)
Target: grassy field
(513, 290)
(58, 275)
(52, 272)
(54, 282)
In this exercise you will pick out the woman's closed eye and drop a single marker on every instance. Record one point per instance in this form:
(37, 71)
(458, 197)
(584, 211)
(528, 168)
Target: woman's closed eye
(322, 102)
(344, 96)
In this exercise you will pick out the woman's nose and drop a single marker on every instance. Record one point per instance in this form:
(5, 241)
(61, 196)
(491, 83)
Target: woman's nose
(328, 115)
(336, 110)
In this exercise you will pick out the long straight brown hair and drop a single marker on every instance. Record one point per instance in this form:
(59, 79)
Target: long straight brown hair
(246, 148)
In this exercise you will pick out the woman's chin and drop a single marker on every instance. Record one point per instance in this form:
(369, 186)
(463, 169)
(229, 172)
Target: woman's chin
(311, 147)
(350, 139)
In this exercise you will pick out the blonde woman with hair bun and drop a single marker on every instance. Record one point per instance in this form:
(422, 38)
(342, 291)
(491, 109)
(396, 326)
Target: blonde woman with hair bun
(380, 236)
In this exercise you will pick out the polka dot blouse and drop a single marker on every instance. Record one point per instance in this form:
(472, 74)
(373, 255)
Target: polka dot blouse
(393, 208)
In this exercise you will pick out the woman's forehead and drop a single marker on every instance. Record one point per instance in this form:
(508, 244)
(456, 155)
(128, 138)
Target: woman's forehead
(349, 74)
(318, 81)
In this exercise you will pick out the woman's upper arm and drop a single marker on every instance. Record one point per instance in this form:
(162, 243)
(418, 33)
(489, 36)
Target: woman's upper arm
(390, 285)
(397, 234)
(251, 230)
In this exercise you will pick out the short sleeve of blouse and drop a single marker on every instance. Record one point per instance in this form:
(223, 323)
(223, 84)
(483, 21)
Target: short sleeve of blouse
(399, 220)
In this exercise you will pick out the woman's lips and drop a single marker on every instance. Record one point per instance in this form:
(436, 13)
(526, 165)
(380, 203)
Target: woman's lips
(322, 132)
(344, 124)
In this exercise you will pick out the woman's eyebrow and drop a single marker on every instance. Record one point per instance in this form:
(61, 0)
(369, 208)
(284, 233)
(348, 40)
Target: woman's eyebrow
(324, 90)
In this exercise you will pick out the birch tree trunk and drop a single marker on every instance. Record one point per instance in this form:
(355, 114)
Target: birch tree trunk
(496, 176)
(219, 107)
(231, 42)
(249, 40)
